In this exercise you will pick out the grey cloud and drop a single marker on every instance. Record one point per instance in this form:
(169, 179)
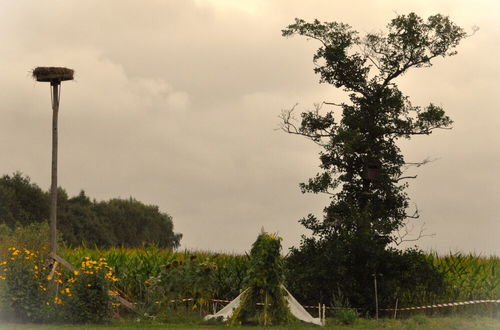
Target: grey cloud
(176, 103)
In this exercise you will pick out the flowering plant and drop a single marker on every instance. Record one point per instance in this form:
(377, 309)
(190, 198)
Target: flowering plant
(24, 274)
(37, 292)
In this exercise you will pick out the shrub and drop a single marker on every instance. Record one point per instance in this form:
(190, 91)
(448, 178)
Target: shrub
(88, 292)
(26, 285)
(34, 237)
(346, 316)
(321, 267)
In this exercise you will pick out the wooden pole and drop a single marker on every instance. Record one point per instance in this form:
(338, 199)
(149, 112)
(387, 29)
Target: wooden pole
(376, 295)
(53, 185)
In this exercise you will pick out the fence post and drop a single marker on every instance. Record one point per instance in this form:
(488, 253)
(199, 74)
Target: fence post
(376, 296)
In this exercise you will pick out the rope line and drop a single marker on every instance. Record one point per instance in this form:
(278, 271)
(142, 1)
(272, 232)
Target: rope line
(458, 303)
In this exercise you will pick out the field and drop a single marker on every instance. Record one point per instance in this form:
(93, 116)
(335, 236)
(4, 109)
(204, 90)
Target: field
(205, 276)
(468, 276)
(456, 322)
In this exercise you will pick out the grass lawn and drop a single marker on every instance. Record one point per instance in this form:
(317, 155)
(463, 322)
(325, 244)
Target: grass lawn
(416, 322)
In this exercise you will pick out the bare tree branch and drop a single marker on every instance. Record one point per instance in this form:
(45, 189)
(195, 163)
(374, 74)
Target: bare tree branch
(403, 235)
(331, 103)
(404, 178)
(288, 125)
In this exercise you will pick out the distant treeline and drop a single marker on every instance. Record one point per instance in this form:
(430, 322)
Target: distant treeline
(82, 221)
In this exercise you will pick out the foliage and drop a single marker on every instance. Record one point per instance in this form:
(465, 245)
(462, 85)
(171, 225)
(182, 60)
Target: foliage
(22, 202)
(26, 285)
(179, 279)
(410, 276)
(322, 268)
(88, 296)
(34, 236)
(410, 279)
(37, 290)
(467, 276)
(136, 266)
(264, 285)
(346, 316)
(117, 222)
(362, 165)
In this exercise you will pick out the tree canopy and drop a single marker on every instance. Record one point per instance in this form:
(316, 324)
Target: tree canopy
(362, 167)
(116, 222)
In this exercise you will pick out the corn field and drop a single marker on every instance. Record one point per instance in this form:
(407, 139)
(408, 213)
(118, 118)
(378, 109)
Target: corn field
(467, 276)
(135, 267)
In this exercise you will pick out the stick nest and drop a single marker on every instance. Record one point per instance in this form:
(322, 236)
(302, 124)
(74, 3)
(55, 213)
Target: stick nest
(52, 74)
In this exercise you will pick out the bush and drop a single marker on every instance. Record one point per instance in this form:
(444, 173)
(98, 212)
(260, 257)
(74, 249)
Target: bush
(33, 237)
(346, 316)
(88, 292)
(24, 267)
(26, 285)
(321, 267)
(37, 292)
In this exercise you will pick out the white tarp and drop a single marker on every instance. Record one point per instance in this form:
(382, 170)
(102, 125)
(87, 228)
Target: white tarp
(227, 311)
(298, 311)
(295, 308)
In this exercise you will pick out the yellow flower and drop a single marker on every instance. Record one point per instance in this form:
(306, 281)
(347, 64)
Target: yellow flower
(49, 278)
(76, 272)
(57, 301)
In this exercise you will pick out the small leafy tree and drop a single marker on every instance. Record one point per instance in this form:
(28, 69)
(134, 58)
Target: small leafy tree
(265, 286)
(362, 165)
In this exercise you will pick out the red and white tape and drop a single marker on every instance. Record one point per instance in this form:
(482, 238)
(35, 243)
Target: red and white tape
(459, 303)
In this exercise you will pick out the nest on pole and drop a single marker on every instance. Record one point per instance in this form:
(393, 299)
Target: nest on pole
(52, 74)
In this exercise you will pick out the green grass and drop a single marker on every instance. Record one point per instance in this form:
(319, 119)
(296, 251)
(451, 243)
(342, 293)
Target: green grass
(416, 322)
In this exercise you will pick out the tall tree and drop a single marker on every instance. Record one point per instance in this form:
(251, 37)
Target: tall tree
(362, 166)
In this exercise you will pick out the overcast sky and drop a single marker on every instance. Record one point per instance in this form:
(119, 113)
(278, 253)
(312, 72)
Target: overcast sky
(176, 103)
